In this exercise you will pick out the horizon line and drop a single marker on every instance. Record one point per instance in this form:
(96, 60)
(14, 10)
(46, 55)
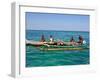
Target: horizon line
(58, 30)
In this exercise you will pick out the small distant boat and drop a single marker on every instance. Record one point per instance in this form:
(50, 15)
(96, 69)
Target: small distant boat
(50, 47)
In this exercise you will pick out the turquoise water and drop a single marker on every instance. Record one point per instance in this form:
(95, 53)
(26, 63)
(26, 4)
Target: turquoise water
(36, 57)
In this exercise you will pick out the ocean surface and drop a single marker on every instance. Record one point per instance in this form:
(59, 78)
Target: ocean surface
(38, 58)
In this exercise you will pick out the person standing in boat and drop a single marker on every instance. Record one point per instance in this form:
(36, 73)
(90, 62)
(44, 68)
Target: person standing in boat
(42, 38)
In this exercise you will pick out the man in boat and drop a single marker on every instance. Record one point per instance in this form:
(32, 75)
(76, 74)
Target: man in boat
(42, 38)
(52, 42)
(72, 39)
(72, 42)
(51, 39)
(80, 40)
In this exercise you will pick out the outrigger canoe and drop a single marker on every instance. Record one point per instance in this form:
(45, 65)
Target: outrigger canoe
(48, 46)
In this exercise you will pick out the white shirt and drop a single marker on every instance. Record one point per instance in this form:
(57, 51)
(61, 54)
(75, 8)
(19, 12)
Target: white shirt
(51, 39)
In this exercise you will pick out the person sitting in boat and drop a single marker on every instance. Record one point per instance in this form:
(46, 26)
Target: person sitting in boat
(52, 42)
(80, 40)
(72, 39)
(42, 38)
(51, 39)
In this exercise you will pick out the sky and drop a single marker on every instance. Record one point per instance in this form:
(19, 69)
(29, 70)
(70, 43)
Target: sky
(55, 21)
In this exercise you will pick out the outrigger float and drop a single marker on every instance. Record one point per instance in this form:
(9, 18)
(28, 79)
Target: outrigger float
(52, 46)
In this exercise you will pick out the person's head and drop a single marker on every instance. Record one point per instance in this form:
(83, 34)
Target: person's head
(80, 37)
(50, 36)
